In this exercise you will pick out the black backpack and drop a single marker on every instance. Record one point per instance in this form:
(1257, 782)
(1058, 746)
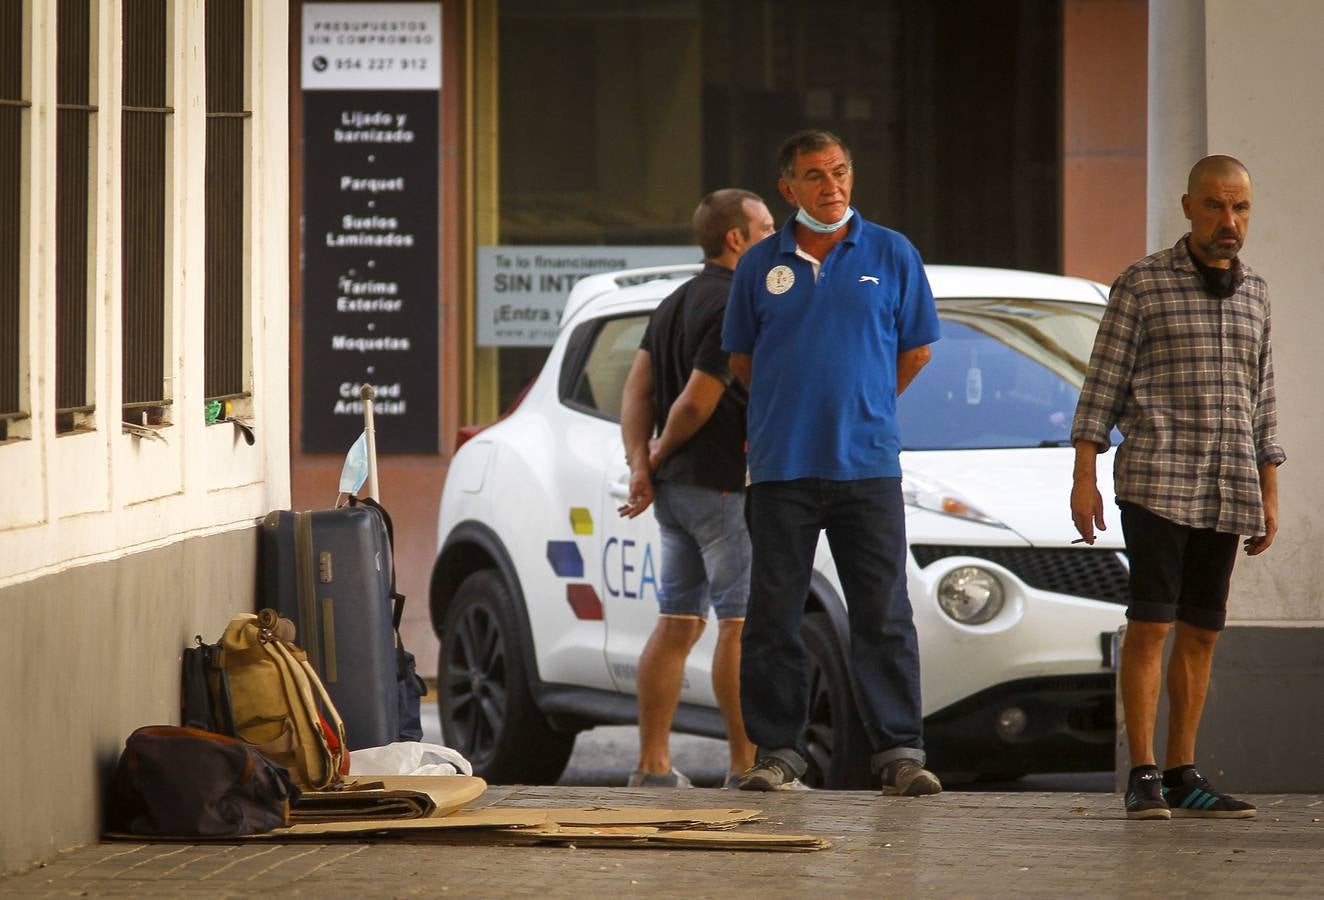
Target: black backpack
(183, 782)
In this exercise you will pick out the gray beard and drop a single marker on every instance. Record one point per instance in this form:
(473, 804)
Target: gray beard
(1213, 251)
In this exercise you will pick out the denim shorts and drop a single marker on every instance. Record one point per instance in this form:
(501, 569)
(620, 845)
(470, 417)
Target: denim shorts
(705, 551)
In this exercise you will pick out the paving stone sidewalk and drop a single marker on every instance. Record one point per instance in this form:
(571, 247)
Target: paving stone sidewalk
(953, 845)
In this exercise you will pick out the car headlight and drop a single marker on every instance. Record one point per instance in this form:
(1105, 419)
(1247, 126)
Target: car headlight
(971, 595)
(924, 494)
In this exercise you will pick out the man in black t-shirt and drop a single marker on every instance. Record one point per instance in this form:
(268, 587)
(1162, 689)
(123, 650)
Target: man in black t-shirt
(694, 471)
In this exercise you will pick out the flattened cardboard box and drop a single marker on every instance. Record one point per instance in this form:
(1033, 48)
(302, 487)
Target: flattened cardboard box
(632, 837)
(429, 808)
(512, 817)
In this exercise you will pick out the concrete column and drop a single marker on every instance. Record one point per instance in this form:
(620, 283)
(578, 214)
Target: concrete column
(1177, 135)
(1263, 82)
(1243, 77)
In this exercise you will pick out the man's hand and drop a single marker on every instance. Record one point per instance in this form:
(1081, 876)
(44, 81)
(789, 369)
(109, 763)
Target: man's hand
(1086, 501)
(641, 494)
(654, 454)
(1257, 544)
(1087, 508)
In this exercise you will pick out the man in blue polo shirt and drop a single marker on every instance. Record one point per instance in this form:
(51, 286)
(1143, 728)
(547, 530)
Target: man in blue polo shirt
(827, 322)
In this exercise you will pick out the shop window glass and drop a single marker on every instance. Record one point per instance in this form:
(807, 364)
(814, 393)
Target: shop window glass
(616, 116)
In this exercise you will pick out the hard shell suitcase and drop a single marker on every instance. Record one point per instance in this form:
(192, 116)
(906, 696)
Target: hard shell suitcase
(330, 572)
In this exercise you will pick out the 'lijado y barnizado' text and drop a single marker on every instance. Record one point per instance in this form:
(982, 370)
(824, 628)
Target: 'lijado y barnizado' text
(363, 127)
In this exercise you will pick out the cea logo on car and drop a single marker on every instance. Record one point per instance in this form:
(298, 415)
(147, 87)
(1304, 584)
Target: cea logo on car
(626, 572)
(620, 554)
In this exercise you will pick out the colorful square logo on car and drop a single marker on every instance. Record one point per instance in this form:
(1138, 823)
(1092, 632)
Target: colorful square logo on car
(565, 559)
(581, 520)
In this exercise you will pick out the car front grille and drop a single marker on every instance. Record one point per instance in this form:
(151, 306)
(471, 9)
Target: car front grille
(1096, 574)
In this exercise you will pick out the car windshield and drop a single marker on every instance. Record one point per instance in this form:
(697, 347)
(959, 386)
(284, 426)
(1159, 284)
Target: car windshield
(1005, 374)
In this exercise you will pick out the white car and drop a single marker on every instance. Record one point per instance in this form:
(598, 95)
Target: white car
(543, 596)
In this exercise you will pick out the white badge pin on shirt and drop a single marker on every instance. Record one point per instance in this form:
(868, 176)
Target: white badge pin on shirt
(780, 279)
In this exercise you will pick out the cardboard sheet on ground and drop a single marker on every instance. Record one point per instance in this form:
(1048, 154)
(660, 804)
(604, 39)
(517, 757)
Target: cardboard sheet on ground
(512, 817)
(625, 836)
(429, 810)
(407, 829)
(658, 818)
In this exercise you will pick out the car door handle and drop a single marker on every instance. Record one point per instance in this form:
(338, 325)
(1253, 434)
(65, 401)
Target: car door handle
(620, 489)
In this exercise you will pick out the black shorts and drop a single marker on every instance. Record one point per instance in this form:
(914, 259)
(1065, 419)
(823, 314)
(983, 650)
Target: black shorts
(1177, 572)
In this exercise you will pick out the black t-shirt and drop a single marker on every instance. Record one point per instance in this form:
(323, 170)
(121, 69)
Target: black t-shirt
(683, 334)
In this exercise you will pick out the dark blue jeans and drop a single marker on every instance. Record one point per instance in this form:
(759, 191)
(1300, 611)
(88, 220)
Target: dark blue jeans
(866, 529)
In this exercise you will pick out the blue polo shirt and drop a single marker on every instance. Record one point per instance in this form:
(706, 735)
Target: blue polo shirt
(823, 399)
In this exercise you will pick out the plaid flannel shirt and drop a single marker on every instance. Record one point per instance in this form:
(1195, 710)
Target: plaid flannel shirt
(1188, 379)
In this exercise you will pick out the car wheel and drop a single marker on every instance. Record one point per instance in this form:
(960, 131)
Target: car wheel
(836, 742)
(487, 711)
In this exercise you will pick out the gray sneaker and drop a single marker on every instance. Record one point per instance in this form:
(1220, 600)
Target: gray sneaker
(770, 774)
(907, 778)
(672, 779)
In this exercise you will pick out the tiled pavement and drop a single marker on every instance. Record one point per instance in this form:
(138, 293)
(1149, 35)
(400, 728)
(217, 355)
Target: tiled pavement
(953, 845)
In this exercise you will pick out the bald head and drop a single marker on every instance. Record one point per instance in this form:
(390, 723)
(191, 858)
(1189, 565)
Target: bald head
(1215, 167)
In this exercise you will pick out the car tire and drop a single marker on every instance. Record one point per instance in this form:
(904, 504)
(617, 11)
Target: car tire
(487, 711)
(838, 747)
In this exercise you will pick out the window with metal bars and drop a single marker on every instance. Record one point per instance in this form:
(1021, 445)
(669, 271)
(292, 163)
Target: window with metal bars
(145, 119)
(14, 110)
(73, 143)
(227, 137)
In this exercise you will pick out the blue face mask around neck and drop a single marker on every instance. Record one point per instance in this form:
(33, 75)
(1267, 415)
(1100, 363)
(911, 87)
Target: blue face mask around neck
(813, 224)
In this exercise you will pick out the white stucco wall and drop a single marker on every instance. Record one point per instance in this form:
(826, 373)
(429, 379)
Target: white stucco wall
(81, 498)
(114, 550)
(1259, 66)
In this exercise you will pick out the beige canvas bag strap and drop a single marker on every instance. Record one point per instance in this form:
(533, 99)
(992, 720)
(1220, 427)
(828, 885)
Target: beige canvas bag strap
(313, 751)
(301, 677)
(332, 715)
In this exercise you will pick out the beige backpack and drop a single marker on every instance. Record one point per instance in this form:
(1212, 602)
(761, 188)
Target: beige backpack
(278, 703)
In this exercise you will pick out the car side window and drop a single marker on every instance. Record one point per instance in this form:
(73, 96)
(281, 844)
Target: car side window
(597, 361)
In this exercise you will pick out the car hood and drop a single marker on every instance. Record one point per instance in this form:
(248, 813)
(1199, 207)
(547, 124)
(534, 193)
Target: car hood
(1028, 490)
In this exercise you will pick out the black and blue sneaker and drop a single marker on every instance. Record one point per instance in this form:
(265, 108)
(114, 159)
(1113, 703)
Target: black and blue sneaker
(1144, 795)
(1189, 795)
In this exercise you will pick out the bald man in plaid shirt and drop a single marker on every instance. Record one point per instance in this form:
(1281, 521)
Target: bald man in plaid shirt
(1182, 365)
